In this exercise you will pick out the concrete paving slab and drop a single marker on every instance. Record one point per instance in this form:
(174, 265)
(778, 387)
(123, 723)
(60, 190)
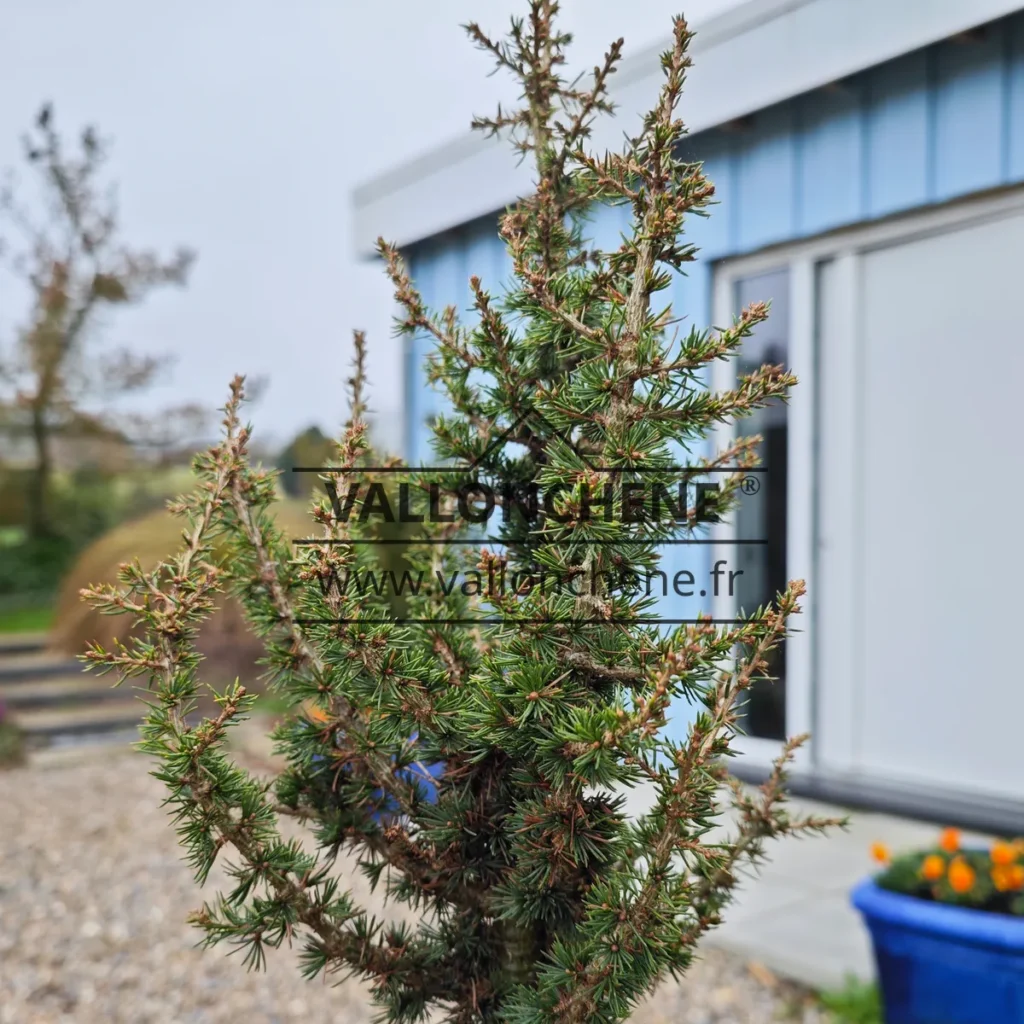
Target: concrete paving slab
(794, 916)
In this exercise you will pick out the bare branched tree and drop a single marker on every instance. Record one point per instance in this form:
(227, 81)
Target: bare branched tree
(71, 256)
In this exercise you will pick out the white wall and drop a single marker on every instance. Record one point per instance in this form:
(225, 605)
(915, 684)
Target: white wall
(918, 598)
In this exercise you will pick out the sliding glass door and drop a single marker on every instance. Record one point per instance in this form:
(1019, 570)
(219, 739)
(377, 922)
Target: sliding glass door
(761, 518)
(768, 539)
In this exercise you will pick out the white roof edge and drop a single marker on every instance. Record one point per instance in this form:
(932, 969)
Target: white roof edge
(783, 47)
(643, 64)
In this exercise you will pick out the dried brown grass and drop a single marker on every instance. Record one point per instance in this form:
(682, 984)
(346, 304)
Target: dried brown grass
(229, 648)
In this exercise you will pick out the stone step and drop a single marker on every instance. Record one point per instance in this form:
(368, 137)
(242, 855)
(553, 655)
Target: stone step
(21, 643)
(64, 691)
(107, 720)
(83, 750)
(37, 665)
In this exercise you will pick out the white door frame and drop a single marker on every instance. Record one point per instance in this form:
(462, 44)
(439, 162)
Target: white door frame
(803, 260)
(799, 486)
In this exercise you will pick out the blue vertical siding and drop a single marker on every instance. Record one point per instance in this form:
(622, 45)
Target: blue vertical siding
(607, 225)
(421, 265)
(441, 268)
(970, 114)
(712, 234)
(450, 287)
(930, 126)
(766, 159)
(895, 126)
(1014, 124)
(831, 136)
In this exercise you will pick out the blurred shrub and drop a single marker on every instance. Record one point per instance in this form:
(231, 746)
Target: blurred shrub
(13, 490)
(87, 503)
(230, 649)
(225, 641)
(310, 448)
(32, 567)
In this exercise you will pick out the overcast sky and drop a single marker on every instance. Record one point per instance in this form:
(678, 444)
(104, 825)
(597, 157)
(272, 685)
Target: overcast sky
(240, 128)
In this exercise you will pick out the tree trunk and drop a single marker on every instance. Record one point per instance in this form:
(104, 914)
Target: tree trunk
(521, 953)
(39, 524)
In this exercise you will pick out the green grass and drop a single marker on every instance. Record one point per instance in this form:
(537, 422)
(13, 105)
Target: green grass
(25, 620)
(271, 702)
(856, 1003)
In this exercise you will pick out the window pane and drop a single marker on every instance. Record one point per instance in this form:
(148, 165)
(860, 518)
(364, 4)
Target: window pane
(762, 516)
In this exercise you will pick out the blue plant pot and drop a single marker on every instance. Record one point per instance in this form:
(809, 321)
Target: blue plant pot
(939, 964)
(426, 778)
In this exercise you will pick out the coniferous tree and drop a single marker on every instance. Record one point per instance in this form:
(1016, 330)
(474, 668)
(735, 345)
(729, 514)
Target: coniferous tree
(542, 899)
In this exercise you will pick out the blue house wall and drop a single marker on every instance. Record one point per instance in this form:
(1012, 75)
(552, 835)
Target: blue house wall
(925, 128)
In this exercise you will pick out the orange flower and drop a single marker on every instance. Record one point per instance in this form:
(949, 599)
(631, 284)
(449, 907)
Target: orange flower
(1003, 854)
(1001, 877)
(318, 714)
(961, 876)
(1015, 874)
(933, 868)
(949, 841)
(880, 852)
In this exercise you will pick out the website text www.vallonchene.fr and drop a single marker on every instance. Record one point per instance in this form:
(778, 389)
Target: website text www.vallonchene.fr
(719, 581)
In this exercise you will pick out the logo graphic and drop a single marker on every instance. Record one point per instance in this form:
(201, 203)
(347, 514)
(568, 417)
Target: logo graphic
(655, 506)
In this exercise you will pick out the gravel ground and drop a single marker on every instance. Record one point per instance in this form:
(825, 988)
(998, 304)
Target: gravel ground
(93, 897)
